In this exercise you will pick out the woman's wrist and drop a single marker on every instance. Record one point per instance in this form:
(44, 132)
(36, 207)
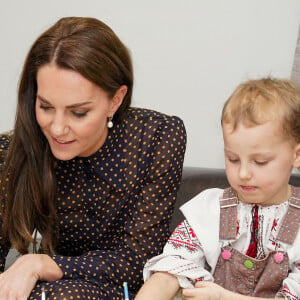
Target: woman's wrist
(32, 263)
(42, 266)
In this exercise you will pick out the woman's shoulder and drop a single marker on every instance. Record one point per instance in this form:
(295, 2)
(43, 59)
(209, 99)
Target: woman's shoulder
(147, 125)
(147, 116)
(5, 139)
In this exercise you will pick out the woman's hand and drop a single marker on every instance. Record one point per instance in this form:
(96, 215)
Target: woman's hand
(204, 290)
(17, 282)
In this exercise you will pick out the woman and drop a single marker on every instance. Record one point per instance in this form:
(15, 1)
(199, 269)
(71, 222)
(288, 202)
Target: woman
(88, 183)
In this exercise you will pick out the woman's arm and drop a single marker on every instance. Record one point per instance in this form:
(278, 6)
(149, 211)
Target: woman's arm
(159, 159)
(160, 286)
(18, 281)
(156, 159)
(20, 278)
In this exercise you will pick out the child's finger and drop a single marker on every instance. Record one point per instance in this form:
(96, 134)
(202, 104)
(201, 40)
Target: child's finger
(187, 292)
(202, 284)
(191, 292)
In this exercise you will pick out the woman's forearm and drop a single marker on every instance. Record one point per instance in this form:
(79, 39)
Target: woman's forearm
(20, 278)
(160, 286)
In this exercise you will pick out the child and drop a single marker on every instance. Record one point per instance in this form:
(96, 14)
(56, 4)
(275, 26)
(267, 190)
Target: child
(241, 242)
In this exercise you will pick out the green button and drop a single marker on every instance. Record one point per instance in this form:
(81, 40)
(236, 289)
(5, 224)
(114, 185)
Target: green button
(248, 264)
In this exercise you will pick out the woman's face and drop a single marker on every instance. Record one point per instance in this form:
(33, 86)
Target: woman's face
(72, 112)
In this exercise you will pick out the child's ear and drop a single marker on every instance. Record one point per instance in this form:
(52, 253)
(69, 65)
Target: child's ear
(297, 156)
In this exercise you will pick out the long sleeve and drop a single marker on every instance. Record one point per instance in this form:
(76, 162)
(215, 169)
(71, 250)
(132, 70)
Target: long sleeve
(291, 285)
(191, 245)
(182, 257)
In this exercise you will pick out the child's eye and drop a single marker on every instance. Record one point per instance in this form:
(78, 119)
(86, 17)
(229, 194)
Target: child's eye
(233, 160)
(79, 114)
(261, 162)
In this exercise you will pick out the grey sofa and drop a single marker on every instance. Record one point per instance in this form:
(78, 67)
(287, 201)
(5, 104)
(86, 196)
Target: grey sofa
(196, 179)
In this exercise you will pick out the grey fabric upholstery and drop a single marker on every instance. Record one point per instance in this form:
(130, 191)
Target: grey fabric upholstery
(196, 179)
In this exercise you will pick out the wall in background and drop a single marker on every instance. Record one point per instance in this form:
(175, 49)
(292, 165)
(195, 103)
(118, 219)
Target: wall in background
(188, 55)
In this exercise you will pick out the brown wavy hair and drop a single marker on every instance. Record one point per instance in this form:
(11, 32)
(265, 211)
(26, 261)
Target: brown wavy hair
(28, 183)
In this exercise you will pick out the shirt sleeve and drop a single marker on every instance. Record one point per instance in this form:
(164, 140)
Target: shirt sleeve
(182, 257)
(147, 225)
(291, 285)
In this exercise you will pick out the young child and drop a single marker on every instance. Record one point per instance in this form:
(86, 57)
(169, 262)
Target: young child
(241, 242)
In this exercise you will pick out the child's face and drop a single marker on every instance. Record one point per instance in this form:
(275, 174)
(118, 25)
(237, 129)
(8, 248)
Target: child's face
(259, 161)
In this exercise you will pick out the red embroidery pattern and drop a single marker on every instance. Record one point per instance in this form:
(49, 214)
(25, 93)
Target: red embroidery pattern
(287, 293)
(252, 249)
(275, 223)
(183, 236)
(184, 268)
(238, 227)
(273, 239)
(199, 279)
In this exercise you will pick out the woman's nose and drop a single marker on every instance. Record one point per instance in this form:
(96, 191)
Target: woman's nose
(59, 126)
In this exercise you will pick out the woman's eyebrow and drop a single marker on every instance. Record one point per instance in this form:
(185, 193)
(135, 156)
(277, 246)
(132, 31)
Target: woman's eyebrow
(68, 106)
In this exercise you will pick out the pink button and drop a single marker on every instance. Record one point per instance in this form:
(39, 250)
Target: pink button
(226, 254)
(279, 257)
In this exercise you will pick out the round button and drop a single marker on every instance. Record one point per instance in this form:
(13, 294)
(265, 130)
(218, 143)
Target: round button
(278, 257)
(226, 254)
(248, 264)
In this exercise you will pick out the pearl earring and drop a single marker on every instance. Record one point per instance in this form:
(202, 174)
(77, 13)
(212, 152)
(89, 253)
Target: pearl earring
(110, 123)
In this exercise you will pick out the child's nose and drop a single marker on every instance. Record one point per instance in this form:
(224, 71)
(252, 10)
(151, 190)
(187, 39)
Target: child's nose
(245, 171)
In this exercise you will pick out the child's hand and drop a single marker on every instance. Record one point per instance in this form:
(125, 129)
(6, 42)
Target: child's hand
(204, 290)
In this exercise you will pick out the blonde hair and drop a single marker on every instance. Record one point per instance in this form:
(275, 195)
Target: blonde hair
(258, 101)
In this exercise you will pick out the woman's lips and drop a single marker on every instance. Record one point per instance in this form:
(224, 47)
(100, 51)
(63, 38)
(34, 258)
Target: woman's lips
(61, 142)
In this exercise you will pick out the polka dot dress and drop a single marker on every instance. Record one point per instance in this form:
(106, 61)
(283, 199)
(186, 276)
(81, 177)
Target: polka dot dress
(114, 207)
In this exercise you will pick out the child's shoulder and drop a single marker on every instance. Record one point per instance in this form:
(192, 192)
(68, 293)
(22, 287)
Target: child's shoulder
(212, 193)
(207, 200)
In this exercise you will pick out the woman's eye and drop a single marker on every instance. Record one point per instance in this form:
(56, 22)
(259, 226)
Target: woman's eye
(44, 107)
(79, 114)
